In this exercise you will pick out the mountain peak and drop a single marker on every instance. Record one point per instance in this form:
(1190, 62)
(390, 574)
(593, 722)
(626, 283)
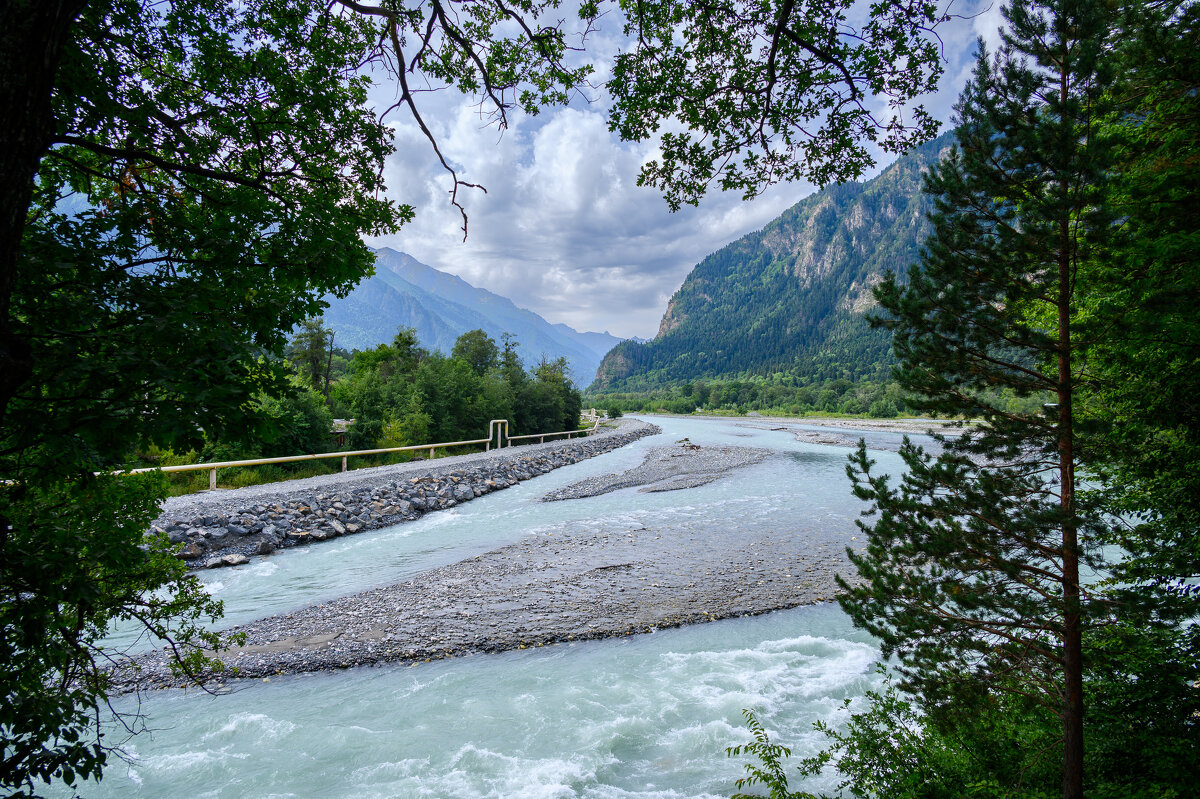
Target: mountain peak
(441, 306)
(792, 296)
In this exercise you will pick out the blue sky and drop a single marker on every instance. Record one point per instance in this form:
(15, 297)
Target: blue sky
(563, 228)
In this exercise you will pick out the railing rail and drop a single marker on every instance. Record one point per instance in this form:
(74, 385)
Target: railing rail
(497, 431)
(541, 437)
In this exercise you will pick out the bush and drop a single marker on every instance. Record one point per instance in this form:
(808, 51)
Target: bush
(883, 409)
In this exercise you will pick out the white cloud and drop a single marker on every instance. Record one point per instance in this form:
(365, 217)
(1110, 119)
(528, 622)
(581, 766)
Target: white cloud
(563, 228)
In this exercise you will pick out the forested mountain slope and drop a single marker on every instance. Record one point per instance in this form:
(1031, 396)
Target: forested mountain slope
(792, 296)
(404, 292)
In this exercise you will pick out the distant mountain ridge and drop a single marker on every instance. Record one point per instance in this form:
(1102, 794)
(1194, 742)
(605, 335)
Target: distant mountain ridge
(791, 297)
(404, 292)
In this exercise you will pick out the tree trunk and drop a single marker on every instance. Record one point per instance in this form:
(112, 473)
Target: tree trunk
(32, 36)
(328, 366)
(1072, 635)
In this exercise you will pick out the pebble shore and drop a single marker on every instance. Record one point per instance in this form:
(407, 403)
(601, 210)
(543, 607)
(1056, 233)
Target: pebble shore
(550, 588)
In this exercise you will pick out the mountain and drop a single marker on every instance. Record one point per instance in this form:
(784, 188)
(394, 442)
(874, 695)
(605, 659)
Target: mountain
(792, 296)
(404, 292)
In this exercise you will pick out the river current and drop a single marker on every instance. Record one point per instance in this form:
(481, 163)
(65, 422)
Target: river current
(641, 716)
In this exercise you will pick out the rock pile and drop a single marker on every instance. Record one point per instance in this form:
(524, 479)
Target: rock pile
(228, 535)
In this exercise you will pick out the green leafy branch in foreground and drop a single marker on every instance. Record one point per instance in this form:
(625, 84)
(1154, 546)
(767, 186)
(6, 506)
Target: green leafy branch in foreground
(768, 771)
(886, 751)
(73, 562)
(1000, 745)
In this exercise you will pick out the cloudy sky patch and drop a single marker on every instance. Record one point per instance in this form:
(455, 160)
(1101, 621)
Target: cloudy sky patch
(563, 228)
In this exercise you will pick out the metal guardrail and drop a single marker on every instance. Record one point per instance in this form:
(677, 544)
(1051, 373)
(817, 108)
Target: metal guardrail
(541, 437)
(497, 430)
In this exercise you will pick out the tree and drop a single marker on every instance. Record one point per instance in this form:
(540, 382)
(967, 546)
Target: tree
(971, 574)
(379, 386)
(168, 167)
(311, 353)
(1142, 412)
(771, 91)
(477, 349)
(510, 362)
(302, 420)
(74, 559)
(550, 403)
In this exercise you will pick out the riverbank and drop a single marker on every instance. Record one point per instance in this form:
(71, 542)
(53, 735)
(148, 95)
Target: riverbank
(906, 425)
(572, 584)
(839, 432)
(228, 527)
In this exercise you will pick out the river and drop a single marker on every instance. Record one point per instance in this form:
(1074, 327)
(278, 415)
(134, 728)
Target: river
(641, 716)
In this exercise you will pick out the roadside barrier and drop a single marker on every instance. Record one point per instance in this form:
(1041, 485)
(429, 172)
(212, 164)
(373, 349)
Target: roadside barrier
(497, 431)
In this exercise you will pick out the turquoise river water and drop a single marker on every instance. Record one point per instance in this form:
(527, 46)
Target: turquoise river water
(645, 716)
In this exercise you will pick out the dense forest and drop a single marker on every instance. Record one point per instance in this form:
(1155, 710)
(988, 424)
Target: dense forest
(778, 394)
(393, 395)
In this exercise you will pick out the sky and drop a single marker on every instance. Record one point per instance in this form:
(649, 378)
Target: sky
(563, 228)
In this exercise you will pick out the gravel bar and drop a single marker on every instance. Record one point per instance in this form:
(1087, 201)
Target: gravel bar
(686, 465)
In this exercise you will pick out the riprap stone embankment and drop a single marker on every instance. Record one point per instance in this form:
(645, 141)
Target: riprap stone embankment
(226, 528)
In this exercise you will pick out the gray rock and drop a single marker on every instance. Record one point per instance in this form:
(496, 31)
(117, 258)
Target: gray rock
(190, 552)
(235, 559)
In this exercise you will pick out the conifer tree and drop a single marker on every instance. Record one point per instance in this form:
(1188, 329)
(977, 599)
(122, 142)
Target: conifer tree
(971, 576)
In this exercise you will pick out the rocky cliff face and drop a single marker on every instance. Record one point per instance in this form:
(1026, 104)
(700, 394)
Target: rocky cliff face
(793, 293)
(670, 320)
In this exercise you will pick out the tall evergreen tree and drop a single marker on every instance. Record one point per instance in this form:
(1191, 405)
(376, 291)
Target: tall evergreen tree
(1143, 292)
(311, 352)
(972, 571)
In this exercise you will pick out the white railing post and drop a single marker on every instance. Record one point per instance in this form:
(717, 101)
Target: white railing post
(212, 479)
(344, 463)
(499, 429)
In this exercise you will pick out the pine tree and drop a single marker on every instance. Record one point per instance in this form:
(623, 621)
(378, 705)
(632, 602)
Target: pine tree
(311, 351)
(971, 575)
